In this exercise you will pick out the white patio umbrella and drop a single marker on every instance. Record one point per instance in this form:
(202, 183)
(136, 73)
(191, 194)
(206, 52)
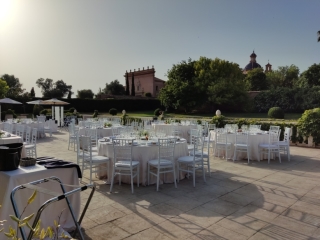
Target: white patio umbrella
(35, 102)
(7, 101)
(54, 102)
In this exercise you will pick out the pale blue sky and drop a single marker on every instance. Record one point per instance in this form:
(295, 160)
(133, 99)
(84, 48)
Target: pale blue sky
(90, 42)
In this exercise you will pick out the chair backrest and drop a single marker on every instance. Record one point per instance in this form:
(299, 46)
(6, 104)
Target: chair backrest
(194, 133)
(8, 127)
(211, 126)
(28, 134)
(274, 128)
(245, 127)
(287, 135)
(274, 137)
(84, 148)
(198, 146)
(242, 138)
(115, 131)
(20, 130)
(221, 135)
(166, 149)
(34, 135)
(93, 134)
(122, 150)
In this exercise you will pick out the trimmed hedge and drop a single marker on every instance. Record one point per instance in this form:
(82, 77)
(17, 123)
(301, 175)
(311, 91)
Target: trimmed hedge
(276, 112)
(113, 111)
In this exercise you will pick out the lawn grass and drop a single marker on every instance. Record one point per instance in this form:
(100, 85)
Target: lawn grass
(139, 114)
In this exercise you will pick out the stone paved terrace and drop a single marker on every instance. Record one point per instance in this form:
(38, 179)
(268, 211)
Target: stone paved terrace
(239, 201)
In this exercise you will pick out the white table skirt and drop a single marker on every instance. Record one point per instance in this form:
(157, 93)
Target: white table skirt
(254, 141)
(142, 154)
(13, 139)
(167, 128)
(10, 179)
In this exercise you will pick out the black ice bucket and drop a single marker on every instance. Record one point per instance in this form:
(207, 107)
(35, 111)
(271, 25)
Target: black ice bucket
(10, 157)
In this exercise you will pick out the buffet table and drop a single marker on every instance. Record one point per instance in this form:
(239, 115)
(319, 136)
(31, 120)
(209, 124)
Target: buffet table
(253, 141)
(11, 179)
(142, 153)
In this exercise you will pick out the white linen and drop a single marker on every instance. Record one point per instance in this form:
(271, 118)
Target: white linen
(10, 179)
(142, 154)
(184, 130)
(53, 126)
(13, 139)
(101, 132)
(253, 141)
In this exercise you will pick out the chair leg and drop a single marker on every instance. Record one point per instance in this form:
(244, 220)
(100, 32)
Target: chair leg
(148, 174)
(112, 180)
(138, 175)
(174, 175)
(158, 178)
(288, 153)
(194, 175)
(131, 175)
(203, 173)
(209, 165)
(179, 172)
(235, 154)
(248, 153)
(269, 155)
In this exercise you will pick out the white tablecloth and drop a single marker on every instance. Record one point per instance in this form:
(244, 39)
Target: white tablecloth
(13, 139)
(102, 132)
(53, 126)
(184, 130)
(254, 141)
(142, 154)
(11, 179)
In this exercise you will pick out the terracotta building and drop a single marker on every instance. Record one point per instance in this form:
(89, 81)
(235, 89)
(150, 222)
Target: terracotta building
(144, 82)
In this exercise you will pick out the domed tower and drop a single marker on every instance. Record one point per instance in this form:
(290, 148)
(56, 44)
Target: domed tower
(252, 64)
(268, 67)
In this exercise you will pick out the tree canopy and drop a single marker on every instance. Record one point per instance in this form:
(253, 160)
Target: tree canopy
(15, 87)
(52, 89)
(3, 88)
(85, 93)
(312, 75)
(114, 88)
(213, 81)
(284, 76)
(256, 80)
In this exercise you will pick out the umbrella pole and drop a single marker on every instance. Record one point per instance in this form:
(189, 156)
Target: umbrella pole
(0, 113)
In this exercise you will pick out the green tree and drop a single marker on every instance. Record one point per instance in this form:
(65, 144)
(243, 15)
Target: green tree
(85, 93)
(114, 88)
(3, 88)
(312, 74)
(50, 89)
(133, 88)
(15, 87)
(179, 90)
(32, 93)
(284, 76)
(255, 80)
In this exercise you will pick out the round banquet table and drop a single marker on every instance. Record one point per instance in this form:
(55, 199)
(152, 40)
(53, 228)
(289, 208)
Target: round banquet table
(254, 141)
(102, 132)
(184, 130)
(53, 126)
(141, 153)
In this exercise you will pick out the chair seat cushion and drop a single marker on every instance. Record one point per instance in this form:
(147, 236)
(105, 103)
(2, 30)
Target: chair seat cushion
(125, 163)
(188, 159)
(241, 145)
(29, 146)
(283, 143)
(265, 145)
(198, 153)
(98, 159)
(163, 162)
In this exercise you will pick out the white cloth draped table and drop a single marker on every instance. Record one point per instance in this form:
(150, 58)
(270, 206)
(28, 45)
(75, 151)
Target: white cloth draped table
(254, 141)
(143, 154)
(53, 126)
(184, 130)
(10, 179)
(101, 132)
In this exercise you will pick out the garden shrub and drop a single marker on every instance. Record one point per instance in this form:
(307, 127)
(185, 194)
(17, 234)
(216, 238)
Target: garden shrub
(44, 111)
(95, 114)
(71, 109)
(219, 121)
(309, 124)
(113, 111)
(157, 112)
(9, 111)
(276, 112)
(148, 94)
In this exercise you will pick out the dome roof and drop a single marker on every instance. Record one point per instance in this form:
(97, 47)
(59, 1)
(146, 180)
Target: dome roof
(253, 55)
(252, 65)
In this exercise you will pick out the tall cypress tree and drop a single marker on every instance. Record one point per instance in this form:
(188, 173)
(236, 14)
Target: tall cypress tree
(133, 90)
(32, 93)
(127, 84)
